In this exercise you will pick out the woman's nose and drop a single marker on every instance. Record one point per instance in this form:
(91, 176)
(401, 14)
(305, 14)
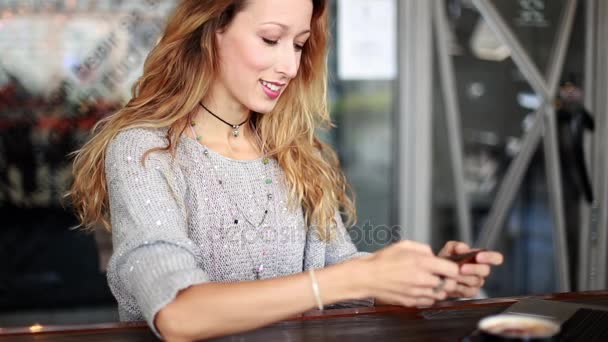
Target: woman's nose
(288, 62)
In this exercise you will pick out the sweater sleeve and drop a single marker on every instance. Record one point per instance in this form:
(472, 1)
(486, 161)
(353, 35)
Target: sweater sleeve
(153, 257)
(340, 249)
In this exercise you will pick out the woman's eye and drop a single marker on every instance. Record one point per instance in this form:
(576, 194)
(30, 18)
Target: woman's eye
(297, 47)
(270, 41)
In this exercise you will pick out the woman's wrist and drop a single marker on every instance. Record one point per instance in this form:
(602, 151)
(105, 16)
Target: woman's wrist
(357, 273)
(362, 275)
(342, 282)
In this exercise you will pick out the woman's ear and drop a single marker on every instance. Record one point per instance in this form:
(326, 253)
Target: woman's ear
(219, 35)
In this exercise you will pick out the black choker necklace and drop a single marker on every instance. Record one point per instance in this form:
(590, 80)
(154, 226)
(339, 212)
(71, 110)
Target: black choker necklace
(235, 128)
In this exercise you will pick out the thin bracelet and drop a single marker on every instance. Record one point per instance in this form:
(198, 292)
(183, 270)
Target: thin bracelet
(315, 289)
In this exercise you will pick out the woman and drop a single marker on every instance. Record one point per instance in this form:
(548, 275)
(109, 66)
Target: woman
(221, 199)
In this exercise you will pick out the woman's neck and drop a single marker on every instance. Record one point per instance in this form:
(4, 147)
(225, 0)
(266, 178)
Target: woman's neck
(218, 136)
(213, 128)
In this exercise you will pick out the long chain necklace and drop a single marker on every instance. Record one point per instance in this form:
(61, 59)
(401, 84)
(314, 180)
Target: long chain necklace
(235, 128)
(257, 270)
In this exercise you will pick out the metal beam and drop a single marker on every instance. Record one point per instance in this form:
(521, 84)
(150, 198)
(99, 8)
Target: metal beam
(546, 91)
(588, 215)
(508, 188)
(414, 144)
(551, 149)
(518, 53)
(599, 231)
(453, 119)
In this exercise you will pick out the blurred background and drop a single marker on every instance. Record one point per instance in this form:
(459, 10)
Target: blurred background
(477, 120)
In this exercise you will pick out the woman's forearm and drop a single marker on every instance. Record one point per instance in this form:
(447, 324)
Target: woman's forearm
(216, 309)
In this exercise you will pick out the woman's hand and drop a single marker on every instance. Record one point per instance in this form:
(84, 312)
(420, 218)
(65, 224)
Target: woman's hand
(472, 275)
(408, 273)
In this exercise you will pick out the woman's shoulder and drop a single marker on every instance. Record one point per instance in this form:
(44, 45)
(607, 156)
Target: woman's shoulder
(133, 143)
(125, 153)
(137, 140)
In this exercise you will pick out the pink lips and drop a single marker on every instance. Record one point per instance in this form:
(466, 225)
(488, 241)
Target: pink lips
(269, 92)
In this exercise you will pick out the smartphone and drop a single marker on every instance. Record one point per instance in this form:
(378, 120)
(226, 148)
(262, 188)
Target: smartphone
(465, 258)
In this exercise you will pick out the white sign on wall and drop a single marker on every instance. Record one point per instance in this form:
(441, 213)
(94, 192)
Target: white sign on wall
(367, 39)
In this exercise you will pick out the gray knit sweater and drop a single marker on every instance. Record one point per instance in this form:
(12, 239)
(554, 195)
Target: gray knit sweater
(196, 219)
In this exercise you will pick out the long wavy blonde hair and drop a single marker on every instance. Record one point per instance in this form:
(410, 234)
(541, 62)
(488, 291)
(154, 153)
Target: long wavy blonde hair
(178, 73)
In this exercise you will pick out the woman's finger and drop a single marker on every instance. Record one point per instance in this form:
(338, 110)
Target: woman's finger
(415, 246)
(439, 266)
(436, 294)
(480, 270)
(424, 302)
(470, 280)
(461, 248)
(424, 279)
(449, 285)
(398, 299)
(489, 257)
(447, 249)
(466, 291)
(406, 301)
(453, 248)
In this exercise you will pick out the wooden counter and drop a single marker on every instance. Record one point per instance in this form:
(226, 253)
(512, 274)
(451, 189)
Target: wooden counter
(448, 321)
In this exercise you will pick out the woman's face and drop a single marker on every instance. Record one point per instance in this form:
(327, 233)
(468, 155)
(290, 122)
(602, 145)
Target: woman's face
(260, 51)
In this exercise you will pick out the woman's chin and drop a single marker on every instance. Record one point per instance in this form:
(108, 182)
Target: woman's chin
(262, 108)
